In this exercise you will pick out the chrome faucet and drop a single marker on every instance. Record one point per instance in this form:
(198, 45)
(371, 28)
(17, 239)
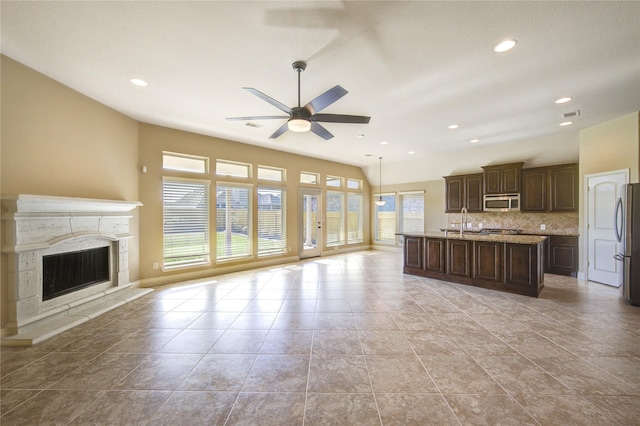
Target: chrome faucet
(463, 219)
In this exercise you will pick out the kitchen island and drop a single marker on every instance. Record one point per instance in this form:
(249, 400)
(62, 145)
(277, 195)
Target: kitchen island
(512, 263)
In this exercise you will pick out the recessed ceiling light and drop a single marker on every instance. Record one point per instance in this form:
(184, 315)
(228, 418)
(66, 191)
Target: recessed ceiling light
(503, 46)
(361, 135)
(566, 123)
(139, 82)
(411, 152)
(384, 143)
(453, 126)
(474, 140)
(563, 100)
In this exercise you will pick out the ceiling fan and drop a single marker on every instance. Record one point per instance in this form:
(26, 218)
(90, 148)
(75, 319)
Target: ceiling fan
(305, 118)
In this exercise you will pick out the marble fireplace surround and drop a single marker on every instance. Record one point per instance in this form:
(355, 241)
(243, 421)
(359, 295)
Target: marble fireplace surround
(36, 226)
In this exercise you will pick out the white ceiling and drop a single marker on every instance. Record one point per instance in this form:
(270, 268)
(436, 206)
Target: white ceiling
(414, 67)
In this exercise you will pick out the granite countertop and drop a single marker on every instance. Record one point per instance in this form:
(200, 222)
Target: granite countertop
(475, 236)
(561, 233)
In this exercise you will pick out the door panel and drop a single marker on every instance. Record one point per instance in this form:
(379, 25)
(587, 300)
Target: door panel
(310, 220)
(603, 192)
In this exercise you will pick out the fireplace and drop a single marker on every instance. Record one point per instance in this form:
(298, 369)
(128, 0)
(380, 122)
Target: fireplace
(67, 272)
(67, 261)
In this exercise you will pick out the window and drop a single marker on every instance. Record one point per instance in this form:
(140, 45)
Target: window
(185, 217)
(354, 184)
(334, 182)
(335, 218)
(309, 178)
(230, 168)
(271, 173)
(354, 219)
(184, 163)
(271, 221)
(412, 212)
(385, 218)
(233, 221)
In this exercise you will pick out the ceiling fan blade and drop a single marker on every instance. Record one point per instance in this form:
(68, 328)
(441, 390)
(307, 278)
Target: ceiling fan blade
(269, 99)
(326, 99)
(258, 117)
(280, 131)
(320, 131)
(340, 118)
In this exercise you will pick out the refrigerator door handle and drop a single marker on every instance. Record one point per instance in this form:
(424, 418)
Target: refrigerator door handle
(617, 224)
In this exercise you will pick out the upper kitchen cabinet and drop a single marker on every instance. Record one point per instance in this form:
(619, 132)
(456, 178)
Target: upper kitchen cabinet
(502, 179)
(463, 191)
(563, 191)
(550, 189)
(535, 192)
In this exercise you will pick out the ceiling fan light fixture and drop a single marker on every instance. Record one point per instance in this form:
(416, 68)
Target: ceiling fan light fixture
(299, 125)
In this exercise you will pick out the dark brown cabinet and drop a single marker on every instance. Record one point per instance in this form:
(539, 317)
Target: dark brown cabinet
(561, 255)
(535, 195)
(502, 179)
(563, 181)
(460, 260)
(488, 261)
(434, 256)
(463, 191)
(516, 268)
(550, 189)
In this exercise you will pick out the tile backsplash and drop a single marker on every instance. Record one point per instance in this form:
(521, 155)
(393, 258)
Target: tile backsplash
(529, 223)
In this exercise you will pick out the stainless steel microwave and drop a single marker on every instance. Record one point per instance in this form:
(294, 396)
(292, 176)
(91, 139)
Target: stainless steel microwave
(501, 203)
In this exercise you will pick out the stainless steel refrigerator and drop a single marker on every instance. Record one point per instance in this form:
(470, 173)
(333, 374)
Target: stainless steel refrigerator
(627, 228)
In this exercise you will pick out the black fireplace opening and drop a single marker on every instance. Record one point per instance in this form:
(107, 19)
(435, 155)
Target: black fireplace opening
(67, 272)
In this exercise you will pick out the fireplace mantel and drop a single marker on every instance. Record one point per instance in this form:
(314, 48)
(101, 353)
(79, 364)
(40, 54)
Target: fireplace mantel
(37, 225)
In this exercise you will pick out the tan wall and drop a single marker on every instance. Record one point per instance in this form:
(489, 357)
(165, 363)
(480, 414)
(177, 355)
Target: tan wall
(613, 145)
(155, 139)
(56, 141)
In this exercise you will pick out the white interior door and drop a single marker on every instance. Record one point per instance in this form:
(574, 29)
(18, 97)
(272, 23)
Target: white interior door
(310, 220)
(603, 192)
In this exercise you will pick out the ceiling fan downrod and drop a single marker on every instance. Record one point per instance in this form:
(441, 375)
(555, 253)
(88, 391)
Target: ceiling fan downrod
(299, 66)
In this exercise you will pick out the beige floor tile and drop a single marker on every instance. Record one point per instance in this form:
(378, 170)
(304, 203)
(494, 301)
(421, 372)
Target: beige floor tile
(195, 408)
(103, 372)
(375, 321)
(239, 341)
(398, 373)
(519, 376)
(566, 410)
(341, 409)
(426, 343)
(414, 409)
(192, 341)
(384, 342)
(489, 410)
(278, 373)
(287, 342)
(294, 321)
(219, 372)
(159, 372)
(51, 407)
(113, 407)
(338, 374)
(623, 409)
(336, 342)
(268, 409)
(459, 374)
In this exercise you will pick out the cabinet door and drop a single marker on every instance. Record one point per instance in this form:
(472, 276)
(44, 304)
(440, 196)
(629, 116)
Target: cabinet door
(563, 181)
(492, 180)
(434, 255)
(534, 190)
(473, 192)
(459, 260)
(511, 178)
(413, 252)
(488, 261)
(562, 255)
(454, 192)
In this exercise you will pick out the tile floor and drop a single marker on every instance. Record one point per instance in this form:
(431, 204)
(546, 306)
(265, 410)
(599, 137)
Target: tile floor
(342, 340)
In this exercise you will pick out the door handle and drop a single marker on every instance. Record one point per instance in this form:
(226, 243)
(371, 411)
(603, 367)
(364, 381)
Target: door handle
(619, 257)
(618, 212)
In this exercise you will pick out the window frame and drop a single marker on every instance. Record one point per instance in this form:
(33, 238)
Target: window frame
(247, 166)
(205, 161)
(248, 253)
(283, 221)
